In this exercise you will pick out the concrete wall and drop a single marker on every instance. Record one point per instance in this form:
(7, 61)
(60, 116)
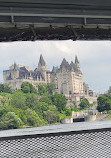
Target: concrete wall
(67, 120)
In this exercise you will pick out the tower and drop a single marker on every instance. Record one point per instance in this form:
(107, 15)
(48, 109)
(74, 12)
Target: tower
(41, 63)
(43, 70)
(77, 63)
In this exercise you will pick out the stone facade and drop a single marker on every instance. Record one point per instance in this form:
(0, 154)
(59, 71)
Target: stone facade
(17, 74)
(67, 78)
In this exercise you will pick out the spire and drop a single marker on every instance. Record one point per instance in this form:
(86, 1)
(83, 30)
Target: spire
(77, 64)
(65, 63)
(76, 60)
(41, 61)
(14, 65)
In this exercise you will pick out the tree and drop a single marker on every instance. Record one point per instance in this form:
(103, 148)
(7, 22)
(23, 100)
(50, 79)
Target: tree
(40, 108)
(10, 121)
(33, 118)
(50, 88)
(59, 101)
(84, 103)
(46, 99)
(109, 91)
(3, 110)
(68, 111)
(42, 89)
(31, 100)
(5, 88)
(104, 103)
(52, 115)
(18, 99)
(21, 114)
(27, 87)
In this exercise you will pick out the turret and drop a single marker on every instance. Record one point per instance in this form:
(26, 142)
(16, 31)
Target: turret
(77, 63)
(41, 62)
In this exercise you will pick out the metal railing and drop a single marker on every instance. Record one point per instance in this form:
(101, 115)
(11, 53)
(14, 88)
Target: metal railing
(77, 140)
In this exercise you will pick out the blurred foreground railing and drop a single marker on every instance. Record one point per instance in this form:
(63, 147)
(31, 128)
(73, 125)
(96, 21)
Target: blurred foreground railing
(77, 140)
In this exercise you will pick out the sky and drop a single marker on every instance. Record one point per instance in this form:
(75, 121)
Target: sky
(94, 58)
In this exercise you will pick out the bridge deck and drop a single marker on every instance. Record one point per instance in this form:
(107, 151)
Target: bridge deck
(55, 19)
(89, 139)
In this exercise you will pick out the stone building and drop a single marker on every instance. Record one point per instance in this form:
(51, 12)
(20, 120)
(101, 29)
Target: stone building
(67, 78)
(17, 74)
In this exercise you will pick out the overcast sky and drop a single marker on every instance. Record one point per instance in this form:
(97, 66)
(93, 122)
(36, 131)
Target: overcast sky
(94, 57)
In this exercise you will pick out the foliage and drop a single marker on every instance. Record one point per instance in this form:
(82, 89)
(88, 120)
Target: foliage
(3, 110)
(46, 99)
(109, 91)
(5, 88)
(62, 116)
(52, 115)
(31, 100)
(10, 121)
(27, 87)
(21, 114)
(33, 118)
(109, 117)
(18, 99)
(40, 108)
(50, 88)
(104, 103)
(59, 101)
(84, 104)
(26, 107)
(42, 89)
(68, 112)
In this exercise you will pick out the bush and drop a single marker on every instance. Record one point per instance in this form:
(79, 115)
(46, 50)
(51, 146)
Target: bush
(59, 101)
(84, 103)
(18, 100)
(27, 87)
(5, 88)
(52, 115)
(10, 121)
(32, 118)
(68, 112)
(104, 103)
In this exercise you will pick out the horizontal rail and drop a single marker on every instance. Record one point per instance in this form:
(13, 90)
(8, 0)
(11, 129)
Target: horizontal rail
(81, 142)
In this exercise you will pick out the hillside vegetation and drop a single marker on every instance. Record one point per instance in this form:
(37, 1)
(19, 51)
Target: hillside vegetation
(28, 106)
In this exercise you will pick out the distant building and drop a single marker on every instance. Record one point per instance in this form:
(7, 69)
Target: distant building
(68, 79)
(17, 74)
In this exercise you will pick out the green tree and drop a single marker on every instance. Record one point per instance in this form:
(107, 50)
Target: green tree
(68, 111)
(50, 88)
(21, 114)
(5, 88)
(33, 118)
(27, 87)
(109, 91)
(104, 103)
(31, 100)
(59, 101)
(42, 89)
(52, 115)
(3, 110)
(84, 103)
(46, 99)
(18, 99)
(40, 108)
(10, 121)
